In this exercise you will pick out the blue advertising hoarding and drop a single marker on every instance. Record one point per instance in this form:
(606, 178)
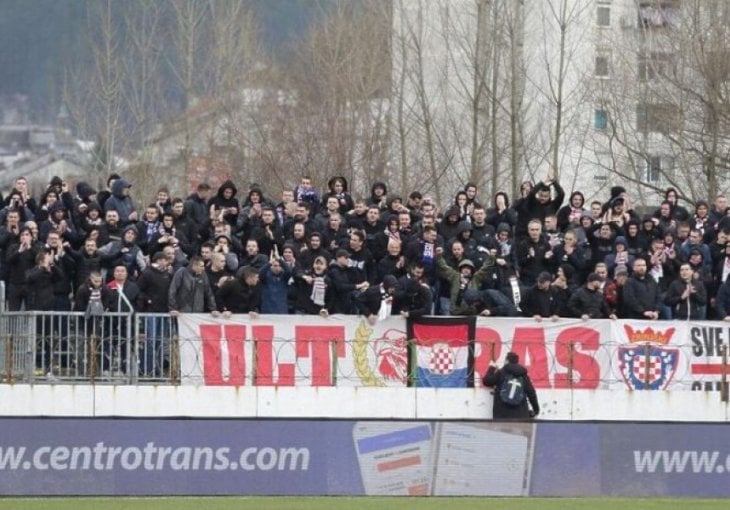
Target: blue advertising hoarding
(344, 457)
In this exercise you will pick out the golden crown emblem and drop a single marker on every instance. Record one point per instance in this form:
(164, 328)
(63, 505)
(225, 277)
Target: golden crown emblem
(648, 335)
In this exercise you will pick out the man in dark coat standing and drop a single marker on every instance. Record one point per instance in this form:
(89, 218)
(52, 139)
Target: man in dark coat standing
(508, 382)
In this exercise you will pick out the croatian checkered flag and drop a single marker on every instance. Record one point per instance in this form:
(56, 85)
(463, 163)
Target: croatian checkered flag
(441, 352)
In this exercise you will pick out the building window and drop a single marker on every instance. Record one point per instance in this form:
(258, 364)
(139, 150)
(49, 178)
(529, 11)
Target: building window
(659, 13)
(602, 66)
(653, 169)
(657, 118)
(655, 65)
(603, 16)
(600, 119)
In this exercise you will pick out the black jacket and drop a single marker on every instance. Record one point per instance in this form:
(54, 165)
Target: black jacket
(154, 290)
(494, 378)
(540, 302)
(40, 284)
(640, 296)
(690, 308)
(588, 302)
(238, 297)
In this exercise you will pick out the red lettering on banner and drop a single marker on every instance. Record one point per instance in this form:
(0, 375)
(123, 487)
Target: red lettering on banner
(316, 341)
(489, 340)
(529, 345)
(212, 336)
(587, 368)
(265, 359)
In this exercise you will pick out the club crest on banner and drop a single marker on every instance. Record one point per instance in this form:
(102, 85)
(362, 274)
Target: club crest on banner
(390, 356)
(647, 363)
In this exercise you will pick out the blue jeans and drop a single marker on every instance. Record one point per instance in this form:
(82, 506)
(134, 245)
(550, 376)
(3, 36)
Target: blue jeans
(157, 346)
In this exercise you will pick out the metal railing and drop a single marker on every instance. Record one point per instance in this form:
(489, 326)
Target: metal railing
(52, 347)
(120, 348)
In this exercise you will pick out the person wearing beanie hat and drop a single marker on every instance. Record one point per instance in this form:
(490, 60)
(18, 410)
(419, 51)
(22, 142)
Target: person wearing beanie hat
(541, 301)
(85, 195)
(314, 292)
(588, 302)
(583, 230)
(513, 390)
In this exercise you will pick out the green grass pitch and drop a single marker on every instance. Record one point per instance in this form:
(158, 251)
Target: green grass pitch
(357, 503)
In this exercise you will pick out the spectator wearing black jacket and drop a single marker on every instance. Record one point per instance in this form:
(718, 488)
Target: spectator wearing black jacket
(517, 374)
(540, 300)
(266, 232)
(196, 208)
(641, 294)
(154, 285)
(63, 261)
(154, 289)
(224, 205)
(501, 213)
(538, 204)
(362, 265)
(41, 281)
(414, 297)
(377, 301)
(534, 254)
(20, 258)
(314, 290)
(687, 296)
(588, 301)
(242, 294)
(344, 288)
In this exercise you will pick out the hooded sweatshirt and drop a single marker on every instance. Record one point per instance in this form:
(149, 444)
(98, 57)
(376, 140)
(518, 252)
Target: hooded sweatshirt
(119, 202)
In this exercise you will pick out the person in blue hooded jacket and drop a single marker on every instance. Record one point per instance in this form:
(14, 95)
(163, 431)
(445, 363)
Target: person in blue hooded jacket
(121, 201)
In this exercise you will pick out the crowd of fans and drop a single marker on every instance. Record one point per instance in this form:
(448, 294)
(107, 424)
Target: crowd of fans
(307, 252)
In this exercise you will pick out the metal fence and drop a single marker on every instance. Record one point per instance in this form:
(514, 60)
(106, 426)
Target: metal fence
(118, 348)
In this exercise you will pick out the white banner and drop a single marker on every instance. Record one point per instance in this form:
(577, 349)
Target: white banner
(344, 350)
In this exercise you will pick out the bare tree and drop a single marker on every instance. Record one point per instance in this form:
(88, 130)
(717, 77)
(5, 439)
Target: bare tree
(669, 124)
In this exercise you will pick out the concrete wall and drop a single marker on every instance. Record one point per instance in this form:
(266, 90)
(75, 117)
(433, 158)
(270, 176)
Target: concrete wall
(338, 402)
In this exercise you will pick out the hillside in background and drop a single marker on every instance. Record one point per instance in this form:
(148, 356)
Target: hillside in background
(39, 38)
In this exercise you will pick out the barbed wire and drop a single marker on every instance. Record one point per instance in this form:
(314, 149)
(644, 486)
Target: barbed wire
(72, 348)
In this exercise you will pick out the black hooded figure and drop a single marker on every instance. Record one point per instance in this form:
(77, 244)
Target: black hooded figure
(225, 203)
(513, 390)
(337, 187)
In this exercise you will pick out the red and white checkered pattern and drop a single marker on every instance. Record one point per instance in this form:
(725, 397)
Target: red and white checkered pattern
(442, 360)
(640, 371)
